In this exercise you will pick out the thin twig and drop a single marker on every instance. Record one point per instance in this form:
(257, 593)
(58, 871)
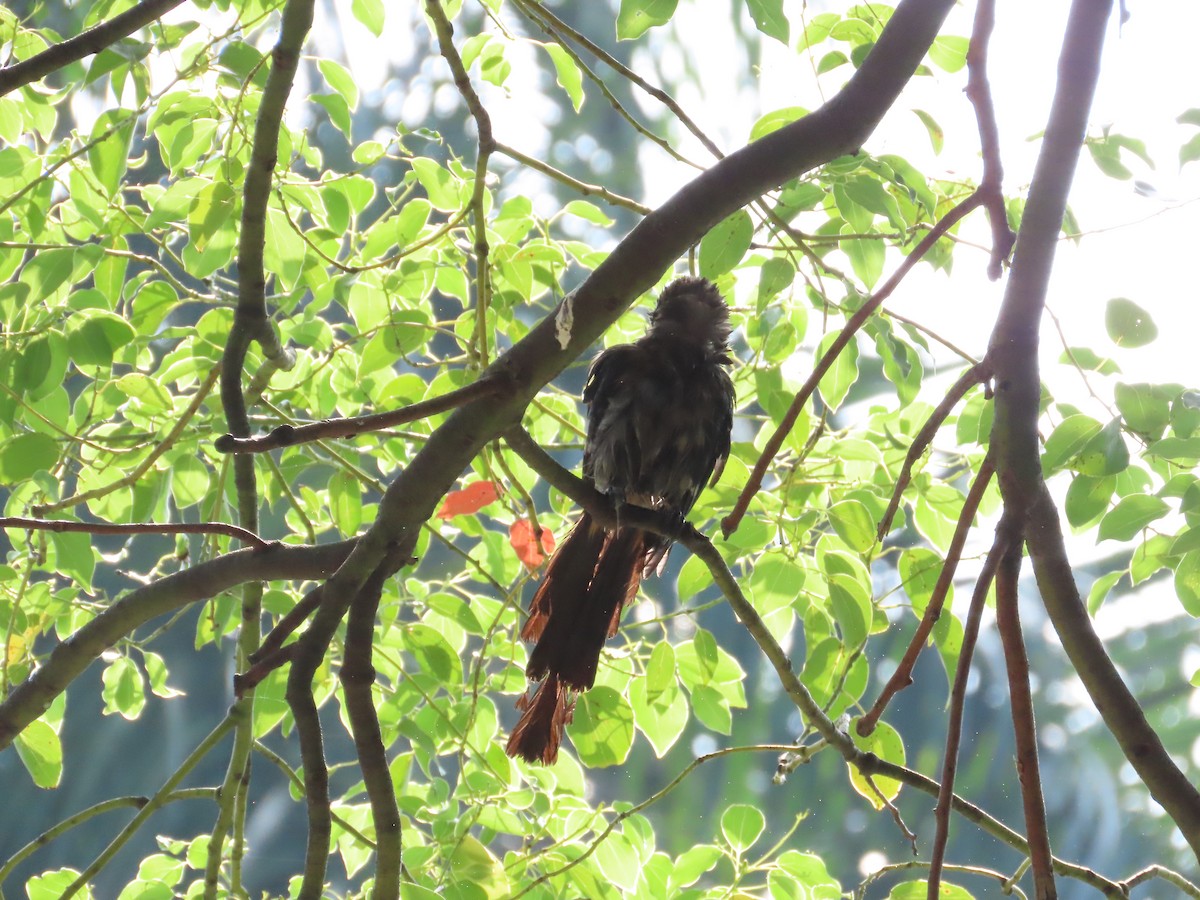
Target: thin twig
(62, 525)
(902, 677)
(971, 377)
(979, 92)
(730, 523)
(958, 694)
(291, 435)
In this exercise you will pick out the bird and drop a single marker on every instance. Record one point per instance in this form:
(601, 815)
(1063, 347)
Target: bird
(660, 413)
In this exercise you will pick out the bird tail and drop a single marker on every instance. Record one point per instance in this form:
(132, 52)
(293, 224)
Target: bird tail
(578, 606)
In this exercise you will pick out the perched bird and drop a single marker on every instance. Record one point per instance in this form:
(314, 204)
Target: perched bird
(659, 416)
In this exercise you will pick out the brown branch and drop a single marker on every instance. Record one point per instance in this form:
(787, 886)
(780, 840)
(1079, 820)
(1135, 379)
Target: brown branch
(307, 653)
(730, 523)
(1008, 623)
(971, 377)
(61, 525)
(358, 678)
(69, 659)
(979, 92)
(902, 677)
(867, 763)
(1014, 354)
(958, 694)
(91, 41)
(291, 435)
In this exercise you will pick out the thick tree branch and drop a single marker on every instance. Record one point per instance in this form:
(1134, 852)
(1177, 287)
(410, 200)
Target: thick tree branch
(1013, 353)
(91, 41)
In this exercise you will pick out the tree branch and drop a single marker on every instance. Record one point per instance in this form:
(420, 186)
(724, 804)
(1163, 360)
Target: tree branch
(91, 41)
(1008, 622)
(1013, 352)
(32, 697)
(958, 695)
(902, 677)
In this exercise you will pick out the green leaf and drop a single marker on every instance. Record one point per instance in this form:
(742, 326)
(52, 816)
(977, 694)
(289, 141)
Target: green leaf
(618, 861)
(636, 17)
(1187, 582)
(341, 80)
(886, 743)
(1087, 498)
(775, 275)
(835, 384)
(1128, 324)
(1190, 151)
(94, 336)
(776, 119)
(434, 654)
(25, 454)
(660, 670)
(854, 524)
(1144, 408)
(570, 77)
(109, 157)
(775, 582)
(1130, 516)
(1104, 454)
(1067, 441)
(851, 607)
(124, 689)
(602, 730)
(589, 212)
(693, 863)
(725, 244)
(919, 890)
(661, 716)
(1099, 590)
(769, 18)
(937, 137)
(370, 13)
(866, 255)
(73, 556)
(742, 825)
(440, 185)
(40, 751)
(949, 52)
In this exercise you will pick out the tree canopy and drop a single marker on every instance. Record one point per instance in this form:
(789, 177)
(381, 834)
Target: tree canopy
(297, 302)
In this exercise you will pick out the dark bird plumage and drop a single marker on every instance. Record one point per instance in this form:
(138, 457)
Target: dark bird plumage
(660, 412)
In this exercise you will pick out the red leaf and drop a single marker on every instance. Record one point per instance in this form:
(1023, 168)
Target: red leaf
(469, 500)
(520, 535)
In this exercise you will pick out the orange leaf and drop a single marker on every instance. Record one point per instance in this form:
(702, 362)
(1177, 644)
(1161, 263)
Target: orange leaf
(469, 500)
(520, 535)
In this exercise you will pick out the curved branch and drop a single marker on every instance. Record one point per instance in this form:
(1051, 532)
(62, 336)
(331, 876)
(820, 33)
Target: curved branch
(91, 41)
(69, 659)
(1013, 352)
